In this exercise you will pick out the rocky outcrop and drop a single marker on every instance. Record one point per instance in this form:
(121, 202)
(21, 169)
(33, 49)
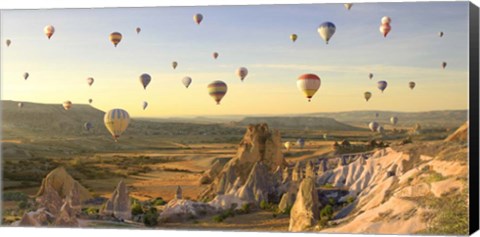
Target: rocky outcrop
(209, 175)
(297, 174)
(118, 205)
(258, 185)
(178, 193)
(305, 211)
(73, 198)
(460, 135)
(259, 144)
(67, 216)
(50, 200)
(63, 184)
(181, 210)
(37, 218)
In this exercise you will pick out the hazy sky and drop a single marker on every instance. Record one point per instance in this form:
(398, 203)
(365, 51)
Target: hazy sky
(256, 37)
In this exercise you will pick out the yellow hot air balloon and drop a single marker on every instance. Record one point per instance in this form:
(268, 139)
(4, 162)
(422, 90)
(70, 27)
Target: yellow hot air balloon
(348, 5)
(115, 38)
(308, 84)
(293, 37)
(217, 90)
(287, 145)
(367, 95)
(49, 30)
(116, 121)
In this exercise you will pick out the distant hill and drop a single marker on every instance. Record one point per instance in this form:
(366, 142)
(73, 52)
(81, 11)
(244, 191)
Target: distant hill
(444, 119)
(301, 123)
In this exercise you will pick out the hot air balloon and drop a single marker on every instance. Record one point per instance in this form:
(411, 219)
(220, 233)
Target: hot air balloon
(20, 105)
(90, 81)
(197, 18)
(386, 20)
(26, 75)
(394, 120)
(370, 76)
(8, 42)
(440, 34)
(301, 142)
(115, 38)
(116, 121)
(217, 90)
(87, 126)
(417, 127)
(444, 65)
(411, 85)
(144, 105)
(241, 72)
(348, 5)
(325, 136)
(287, 145)
(90, 101)
(382, 85)
(215, 55)
(293, 37)
(174, 64)
(186, 81)
(326, 30)
(67, 105)
(385, 29)
(380, 130)
(145, 80)
(138, 29)
(376, 115)
(373, 126)
(49, 30)
(367, 95)
(308, 84)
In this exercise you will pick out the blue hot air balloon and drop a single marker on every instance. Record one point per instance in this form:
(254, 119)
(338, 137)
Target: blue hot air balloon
(382, 85)
(326, 30)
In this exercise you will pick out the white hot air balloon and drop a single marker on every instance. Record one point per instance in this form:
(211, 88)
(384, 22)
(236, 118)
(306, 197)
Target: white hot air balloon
(187, 81)
(241, 72)
(348, 6)
(326, 31)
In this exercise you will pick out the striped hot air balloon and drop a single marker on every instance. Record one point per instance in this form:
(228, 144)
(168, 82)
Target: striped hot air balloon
(116, 121)
(115, 38)
(217, 90)
(308, 84)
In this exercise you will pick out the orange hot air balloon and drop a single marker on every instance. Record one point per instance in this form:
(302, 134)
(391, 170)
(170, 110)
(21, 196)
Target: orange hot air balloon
(115, 38)
(385, 29)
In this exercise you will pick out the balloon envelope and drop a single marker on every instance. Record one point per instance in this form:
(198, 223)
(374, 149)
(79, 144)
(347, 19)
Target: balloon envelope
(348, 5)
(394, 120)
(116, 121)
(90, 101)
(326, 30)
(382, 85)
(88, 126)
(67, 105)
(90, 81)
(373, 126)
(187, 81)
(411, 85)
(301, 142)
(8, 42)
(293, 37)
(145, 80)
(380, 130)
(367, 95)
(386, 20)
(20, 105)
(242, 72)
(49, 30)
(440, 34)
(444, 64)
(115, 38)
(26, 75)
(287, 145)
(197, 18)
(174, 64)
(308, 84)
(144, 105)
(370, 76)
(215, 55)
(217, 90)
(385, 29)
(138, 29)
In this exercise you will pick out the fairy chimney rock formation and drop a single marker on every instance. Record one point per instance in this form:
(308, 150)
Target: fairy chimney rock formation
(309, 170)
(305, 211)
(297, 172)
(50, 200)
(119, 204)
(178, 193)
(259, 144)
(74, 197)
(63, 184)
(67, 216)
